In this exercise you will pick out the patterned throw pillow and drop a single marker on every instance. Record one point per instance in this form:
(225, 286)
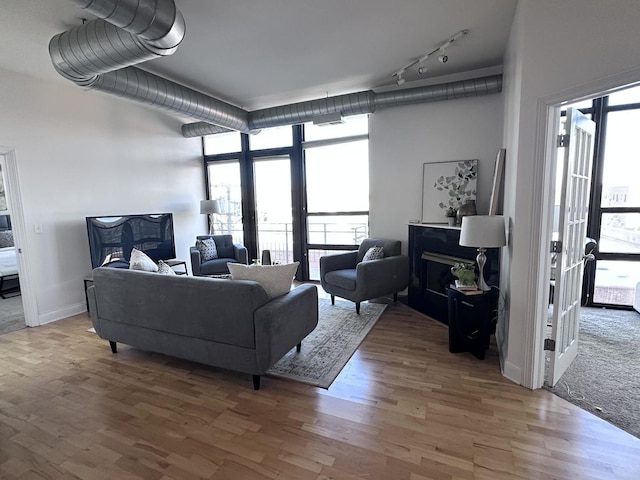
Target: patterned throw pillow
(374, 253)
(6, 239)
(141, 261)
(275, 279)
(164, 269)
(207, 249)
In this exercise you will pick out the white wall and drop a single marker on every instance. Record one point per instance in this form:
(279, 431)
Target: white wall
(402, 139)
(83, 153)
(555, 49)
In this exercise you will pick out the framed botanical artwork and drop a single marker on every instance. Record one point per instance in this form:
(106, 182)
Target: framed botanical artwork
(3, 193)
(447, 185)
(497, 182)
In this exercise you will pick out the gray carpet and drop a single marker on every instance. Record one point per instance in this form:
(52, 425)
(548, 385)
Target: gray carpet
(329, 347)
(604, 379)
(11, 314)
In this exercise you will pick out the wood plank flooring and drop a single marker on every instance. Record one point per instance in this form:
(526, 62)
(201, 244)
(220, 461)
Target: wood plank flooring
(404, 408)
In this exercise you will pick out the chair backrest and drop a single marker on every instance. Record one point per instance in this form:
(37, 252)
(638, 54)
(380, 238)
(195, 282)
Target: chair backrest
(391, 247)
(224, 244)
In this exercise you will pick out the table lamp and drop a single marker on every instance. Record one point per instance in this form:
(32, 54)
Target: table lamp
(209, 207)
(482, 231)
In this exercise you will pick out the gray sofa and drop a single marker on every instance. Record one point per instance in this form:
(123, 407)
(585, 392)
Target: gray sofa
(227, 252)
(224, 323)
(347, 276)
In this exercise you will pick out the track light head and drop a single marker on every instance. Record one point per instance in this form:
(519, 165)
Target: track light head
(400, 81)
(443, 58)
(422, 69)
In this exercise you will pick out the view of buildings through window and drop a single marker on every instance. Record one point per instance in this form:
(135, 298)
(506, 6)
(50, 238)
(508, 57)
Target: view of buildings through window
(335, 204)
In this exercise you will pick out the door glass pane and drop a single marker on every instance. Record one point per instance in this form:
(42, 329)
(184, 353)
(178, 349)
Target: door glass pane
(273, 207)
(338, 177)
(314, 261)
(354, 125)
(224, 186)
(621, 173)
(222, 143)
(337, 229)
(616, 282)
(620, 233)
(272, 138)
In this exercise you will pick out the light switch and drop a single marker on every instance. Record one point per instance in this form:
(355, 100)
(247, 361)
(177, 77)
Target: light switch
(38, 228)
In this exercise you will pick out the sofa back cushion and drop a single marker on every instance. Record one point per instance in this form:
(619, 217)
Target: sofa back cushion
(199, 307)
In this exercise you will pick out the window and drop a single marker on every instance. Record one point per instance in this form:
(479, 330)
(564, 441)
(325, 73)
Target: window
(224, 181)
(222, 143)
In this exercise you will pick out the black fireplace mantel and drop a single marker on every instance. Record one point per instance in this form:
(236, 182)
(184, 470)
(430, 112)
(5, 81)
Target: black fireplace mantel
(427, 241)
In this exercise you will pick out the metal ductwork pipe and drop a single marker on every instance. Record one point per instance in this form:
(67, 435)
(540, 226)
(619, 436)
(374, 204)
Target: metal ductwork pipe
(356, 104)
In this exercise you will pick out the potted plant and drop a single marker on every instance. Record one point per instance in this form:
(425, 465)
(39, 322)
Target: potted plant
(465, 274)
(451, 214)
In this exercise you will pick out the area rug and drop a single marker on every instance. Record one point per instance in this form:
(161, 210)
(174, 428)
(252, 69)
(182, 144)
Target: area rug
(604, 379)
(11, 314)
(329, 347)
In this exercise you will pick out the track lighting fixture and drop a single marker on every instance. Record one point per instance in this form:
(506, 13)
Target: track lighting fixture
(420, 62)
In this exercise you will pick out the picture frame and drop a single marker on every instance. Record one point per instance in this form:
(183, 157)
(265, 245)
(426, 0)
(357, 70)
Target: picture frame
(447, 184)
(3, 192)
(497, 182)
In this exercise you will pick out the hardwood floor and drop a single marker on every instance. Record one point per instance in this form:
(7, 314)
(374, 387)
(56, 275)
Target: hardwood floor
(403, 408)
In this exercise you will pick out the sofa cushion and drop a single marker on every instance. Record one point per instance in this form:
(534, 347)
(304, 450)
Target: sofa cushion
(164, 269)
(141, 261)
(374, 253)
(217, 266)
(207, 248)
(345, 279)
(275, 279)
(224, 244)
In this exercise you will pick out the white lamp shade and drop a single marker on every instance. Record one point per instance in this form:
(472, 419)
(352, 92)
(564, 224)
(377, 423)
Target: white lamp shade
(209, 206)
(482, 231)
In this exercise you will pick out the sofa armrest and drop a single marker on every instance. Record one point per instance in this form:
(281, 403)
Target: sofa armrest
(240, 253)
(283, 322)
(337, 261)
(389, 274)
(194, 254)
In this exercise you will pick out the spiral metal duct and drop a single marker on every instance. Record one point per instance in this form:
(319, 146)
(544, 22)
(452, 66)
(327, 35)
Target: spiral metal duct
(102, 55)
(355, 104)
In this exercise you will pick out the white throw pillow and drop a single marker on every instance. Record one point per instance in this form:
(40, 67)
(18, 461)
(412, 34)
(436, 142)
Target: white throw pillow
(141, 261)
(164, 269)
(275, 279)
(374, 253)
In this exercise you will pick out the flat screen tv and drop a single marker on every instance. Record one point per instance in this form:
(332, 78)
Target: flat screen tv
(111, 238)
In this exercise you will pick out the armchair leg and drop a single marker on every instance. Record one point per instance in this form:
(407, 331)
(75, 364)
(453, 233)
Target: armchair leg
(256, 382)
(333, 299)
(358, 308)
(114, 346)
(395, 297)
(299, 347)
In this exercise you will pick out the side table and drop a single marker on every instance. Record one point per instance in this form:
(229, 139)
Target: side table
(471, 321)
(176, 263)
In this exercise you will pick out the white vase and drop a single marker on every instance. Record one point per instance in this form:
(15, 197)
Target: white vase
(451, 221)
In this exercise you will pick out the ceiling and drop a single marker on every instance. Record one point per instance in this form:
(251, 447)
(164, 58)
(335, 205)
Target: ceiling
(257, 54)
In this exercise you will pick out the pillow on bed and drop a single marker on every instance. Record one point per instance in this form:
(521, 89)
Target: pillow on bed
(275, 279)
(6, 239)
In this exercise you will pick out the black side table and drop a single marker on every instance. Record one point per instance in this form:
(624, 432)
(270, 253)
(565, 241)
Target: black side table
(471, 321)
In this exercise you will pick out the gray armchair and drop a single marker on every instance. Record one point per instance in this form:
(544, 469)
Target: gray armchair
(347, 276)
(227, 252)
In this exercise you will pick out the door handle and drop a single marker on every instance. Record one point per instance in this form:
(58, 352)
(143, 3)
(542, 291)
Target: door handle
(589, 257)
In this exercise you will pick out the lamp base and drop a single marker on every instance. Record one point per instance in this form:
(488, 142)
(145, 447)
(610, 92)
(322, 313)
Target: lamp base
(482, 259)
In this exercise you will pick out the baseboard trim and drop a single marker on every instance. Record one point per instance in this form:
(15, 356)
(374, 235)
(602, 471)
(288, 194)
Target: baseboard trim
(512, 372)
(61, 313)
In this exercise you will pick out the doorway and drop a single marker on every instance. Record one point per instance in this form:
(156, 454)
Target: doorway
(12, 316)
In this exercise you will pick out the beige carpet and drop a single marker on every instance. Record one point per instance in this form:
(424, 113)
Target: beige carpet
(329, 347)
(11, 314)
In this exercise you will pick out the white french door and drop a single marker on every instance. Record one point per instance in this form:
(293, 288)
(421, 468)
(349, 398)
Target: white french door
(574, 208)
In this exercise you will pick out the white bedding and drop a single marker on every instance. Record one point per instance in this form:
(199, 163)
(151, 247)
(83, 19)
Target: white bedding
(8, 261)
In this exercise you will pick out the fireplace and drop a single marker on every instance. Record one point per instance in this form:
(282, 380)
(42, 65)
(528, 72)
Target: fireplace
(433, 249)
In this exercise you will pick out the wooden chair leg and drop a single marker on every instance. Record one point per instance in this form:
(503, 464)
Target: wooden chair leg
(333, 299)
(114, 346)
(299, 347)
(256, 382)
(358, 308)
